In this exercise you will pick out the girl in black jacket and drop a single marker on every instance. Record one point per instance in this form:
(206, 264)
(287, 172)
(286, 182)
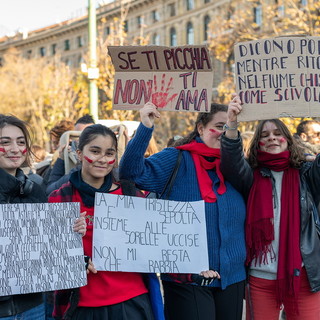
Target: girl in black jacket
(15, 187)
(282, 224)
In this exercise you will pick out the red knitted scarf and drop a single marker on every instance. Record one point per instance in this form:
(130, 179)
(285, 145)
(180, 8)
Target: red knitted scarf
(259, 225)
(198, 152)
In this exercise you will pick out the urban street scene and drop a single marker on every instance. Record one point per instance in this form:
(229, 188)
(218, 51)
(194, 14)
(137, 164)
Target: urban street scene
(160, 160)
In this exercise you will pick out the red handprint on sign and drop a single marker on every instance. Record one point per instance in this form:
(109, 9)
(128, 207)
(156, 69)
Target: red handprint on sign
(161, 98)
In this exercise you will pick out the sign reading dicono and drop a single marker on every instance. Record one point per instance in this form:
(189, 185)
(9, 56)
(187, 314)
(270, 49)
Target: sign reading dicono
(149, 235)
(39, 251)
(173, 78)
(278, 77)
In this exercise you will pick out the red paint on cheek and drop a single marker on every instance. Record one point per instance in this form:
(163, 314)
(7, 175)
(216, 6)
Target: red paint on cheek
(112, 161)
(215, 132)
(24, 151)
(2, 150)
(261, 143)
(88, 159)
(282, 139)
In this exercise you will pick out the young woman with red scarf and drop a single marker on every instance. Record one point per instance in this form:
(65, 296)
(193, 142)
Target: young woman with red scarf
(107, 295)
(216, 293)
(282, 230)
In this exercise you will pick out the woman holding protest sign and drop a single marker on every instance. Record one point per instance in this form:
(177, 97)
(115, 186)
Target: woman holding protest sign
(216, 293)
(282, 226)
(108, 295)
(15, 187)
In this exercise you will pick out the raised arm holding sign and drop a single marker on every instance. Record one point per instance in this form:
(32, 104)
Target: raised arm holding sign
(282, 225)
(198, 178)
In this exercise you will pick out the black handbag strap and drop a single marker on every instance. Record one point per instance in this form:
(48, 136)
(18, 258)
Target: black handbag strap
(171, 179)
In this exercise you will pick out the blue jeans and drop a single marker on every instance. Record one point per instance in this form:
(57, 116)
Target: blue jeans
(36, 313)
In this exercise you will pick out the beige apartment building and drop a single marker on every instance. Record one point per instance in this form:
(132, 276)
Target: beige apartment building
(163, 22)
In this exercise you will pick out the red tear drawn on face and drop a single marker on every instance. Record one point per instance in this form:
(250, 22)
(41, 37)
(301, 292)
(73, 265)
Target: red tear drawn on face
(24, 151)
(2, 150)
(261, 143)
(88, 159)
(112, 161)
(282, 139)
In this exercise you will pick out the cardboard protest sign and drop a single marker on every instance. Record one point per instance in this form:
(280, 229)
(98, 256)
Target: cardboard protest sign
(173, 78)
(149, 235)
(278, 77)
(39, 251)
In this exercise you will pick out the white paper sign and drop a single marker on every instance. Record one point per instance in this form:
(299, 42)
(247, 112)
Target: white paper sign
(39, 251)
(149, 235)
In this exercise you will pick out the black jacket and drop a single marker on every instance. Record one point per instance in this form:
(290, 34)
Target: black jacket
(238, 172)
(19, 189)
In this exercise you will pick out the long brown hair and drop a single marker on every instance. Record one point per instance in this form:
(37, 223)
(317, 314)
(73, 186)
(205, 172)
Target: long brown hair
(203, 118)
(296, 157)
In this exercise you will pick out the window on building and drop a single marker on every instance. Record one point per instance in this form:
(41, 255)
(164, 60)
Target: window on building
(80, 41)
(190, 4)
(280, 5)
(80, 60)
(190, 33)
(53, 49)
(68, 62)
(42, 51)
(257, 14)
(206, 1)
(172, 9)
(29, 54)
(155, 16)
(156, 39)
(107, 31)
(230, 12)
(206, 22)
(139, 21)
(125, 26)
(66, 45)
(173, 37)
(304, 2)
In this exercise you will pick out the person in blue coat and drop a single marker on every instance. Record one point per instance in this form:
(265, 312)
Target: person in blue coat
(216, 293)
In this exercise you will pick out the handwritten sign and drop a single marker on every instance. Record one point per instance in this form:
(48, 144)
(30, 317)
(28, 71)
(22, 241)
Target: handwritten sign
(38, 249)
(173, 78)
(278, 77)
(149, 235)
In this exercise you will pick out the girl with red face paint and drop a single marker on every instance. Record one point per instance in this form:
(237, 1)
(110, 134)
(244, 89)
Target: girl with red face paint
(282, 225)
(108, 295)
(216, 293)
(15, 187)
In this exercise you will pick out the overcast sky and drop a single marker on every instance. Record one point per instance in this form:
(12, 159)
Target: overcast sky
(34, 14)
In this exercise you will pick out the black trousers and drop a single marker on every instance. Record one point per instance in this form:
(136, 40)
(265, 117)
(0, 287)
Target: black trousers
(189, 302)
(138, 308)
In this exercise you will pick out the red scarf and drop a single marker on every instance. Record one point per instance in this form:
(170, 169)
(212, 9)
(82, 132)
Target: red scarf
(198, 152)
(259, 225)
